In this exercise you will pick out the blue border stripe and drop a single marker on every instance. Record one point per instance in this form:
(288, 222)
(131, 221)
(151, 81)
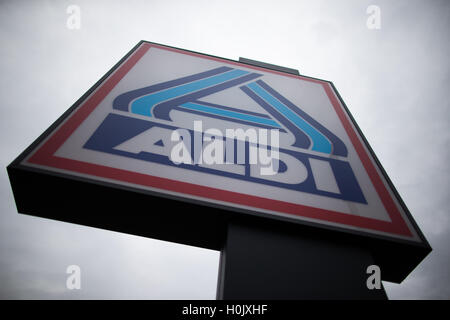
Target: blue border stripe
(211, 115)
(339, 147)
(230, 114)
(257, 114)
(123, 100)
(144, 105)
(320, 143)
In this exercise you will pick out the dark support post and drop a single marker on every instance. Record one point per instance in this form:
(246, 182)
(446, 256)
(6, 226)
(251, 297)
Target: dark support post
(258, 262)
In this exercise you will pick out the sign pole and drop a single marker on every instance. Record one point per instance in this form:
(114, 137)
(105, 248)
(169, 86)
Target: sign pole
(262, 262)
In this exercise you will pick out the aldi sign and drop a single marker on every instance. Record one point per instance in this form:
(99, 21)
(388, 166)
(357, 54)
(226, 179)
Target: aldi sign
(222, 134)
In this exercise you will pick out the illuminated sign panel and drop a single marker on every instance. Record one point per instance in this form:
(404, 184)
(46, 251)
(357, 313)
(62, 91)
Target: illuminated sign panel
(163, 102)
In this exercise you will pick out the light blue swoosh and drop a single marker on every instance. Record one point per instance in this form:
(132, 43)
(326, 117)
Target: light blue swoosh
(145, 104)
(230, 114)
(320, 143)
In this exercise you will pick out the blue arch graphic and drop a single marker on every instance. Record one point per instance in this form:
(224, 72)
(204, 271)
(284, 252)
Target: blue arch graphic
(184, 94)
(319, 141)
(144, 105)
(338, 146)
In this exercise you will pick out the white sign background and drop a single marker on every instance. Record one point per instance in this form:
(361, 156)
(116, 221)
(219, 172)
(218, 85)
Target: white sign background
(151, 64)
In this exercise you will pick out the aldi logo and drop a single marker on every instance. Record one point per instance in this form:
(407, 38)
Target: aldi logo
(227, 134)
(178, 102)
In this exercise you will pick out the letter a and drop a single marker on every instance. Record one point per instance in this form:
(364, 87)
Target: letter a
(74, 280)
(374, 281)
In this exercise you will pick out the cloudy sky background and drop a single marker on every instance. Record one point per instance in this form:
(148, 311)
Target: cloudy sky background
(394, 80)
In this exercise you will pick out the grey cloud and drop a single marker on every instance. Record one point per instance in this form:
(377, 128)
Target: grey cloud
(394, 80)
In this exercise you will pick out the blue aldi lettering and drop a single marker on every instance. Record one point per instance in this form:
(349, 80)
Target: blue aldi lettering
(111, 137)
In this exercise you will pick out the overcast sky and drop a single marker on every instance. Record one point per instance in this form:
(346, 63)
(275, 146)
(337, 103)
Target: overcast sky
(395, 81)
